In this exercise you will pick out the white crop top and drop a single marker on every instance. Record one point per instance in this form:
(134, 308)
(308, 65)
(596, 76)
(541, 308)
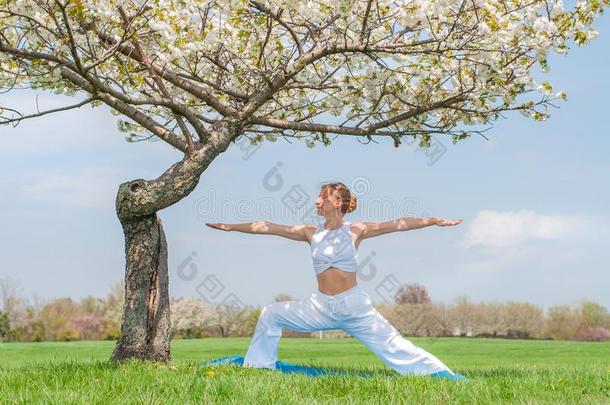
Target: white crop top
(334, 247)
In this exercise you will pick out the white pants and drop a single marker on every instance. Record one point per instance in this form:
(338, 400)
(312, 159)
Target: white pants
(351, 311)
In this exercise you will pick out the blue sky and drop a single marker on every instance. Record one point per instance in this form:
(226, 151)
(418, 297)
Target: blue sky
(534, 200)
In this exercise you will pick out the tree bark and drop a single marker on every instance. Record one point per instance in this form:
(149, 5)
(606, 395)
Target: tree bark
(146, 325)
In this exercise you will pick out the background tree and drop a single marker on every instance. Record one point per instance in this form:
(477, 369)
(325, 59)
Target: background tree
(442, 315)
(594, 321)
(191, 316)
(11, 299)
(465, 316)
(199, 74)
(491, 319)
(89, 321)
(113, 310)
(523, 319)
(58, 318)
(412, 294)
(594, 314)
(229, 318)
(561, 322)
(283, 297)
(414, 314)
(5, 326)
(413, 319)
(248, 324)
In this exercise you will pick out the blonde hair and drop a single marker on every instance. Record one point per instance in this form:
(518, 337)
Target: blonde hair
(348, 200)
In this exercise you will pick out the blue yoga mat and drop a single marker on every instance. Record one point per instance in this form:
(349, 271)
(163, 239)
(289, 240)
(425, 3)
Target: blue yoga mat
(287, 368)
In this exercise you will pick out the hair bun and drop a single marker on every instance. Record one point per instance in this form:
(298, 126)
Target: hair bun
(352, 203)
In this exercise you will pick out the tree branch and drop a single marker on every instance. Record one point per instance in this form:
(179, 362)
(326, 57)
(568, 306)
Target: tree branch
(40, 114)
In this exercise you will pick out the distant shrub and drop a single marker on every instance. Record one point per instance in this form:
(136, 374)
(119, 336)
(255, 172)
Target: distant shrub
(593, 334)
(68, 334)
(4, 325)
(112, 333)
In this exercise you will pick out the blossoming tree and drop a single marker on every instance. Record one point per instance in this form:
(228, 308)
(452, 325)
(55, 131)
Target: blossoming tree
(198, 74)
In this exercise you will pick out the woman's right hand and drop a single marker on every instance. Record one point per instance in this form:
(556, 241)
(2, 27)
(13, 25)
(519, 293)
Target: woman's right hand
(221, 226)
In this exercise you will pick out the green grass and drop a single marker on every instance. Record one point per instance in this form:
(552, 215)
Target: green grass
(499, 371)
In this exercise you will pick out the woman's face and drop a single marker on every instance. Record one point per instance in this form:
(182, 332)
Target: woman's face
(327, 202)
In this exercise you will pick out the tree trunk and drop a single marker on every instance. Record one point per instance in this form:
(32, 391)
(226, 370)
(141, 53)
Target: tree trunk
(146, 326)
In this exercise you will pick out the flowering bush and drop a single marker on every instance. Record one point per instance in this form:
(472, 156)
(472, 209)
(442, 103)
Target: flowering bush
(191, 316)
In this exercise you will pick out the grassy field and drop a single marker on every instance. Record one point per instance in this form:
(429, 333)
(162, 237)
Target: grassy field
(499, 371)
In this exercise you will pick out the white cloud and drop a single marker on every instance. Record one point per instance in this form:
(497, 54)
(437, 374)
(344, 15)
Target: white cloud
(500, 229)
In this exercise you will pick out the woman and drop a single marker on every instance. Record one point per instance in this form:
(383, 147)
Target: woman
(339, 303)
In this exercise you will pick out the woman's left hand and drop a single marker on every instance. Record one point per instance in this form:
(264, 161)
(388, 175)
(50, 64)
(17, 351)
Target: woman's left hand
(445, 222)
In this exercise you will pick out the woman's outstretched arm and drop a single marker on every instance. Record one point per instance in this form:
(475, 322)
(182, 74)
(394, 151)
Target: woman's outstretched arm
(294, 232)
(371, 229)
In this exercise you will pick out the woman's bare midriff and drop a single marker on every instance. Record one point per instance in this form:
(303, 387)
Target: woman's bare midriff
(333, 281)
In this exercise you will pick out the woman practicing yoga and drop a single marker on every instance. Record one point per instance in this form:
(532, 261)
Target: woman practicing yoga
(339, 303)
